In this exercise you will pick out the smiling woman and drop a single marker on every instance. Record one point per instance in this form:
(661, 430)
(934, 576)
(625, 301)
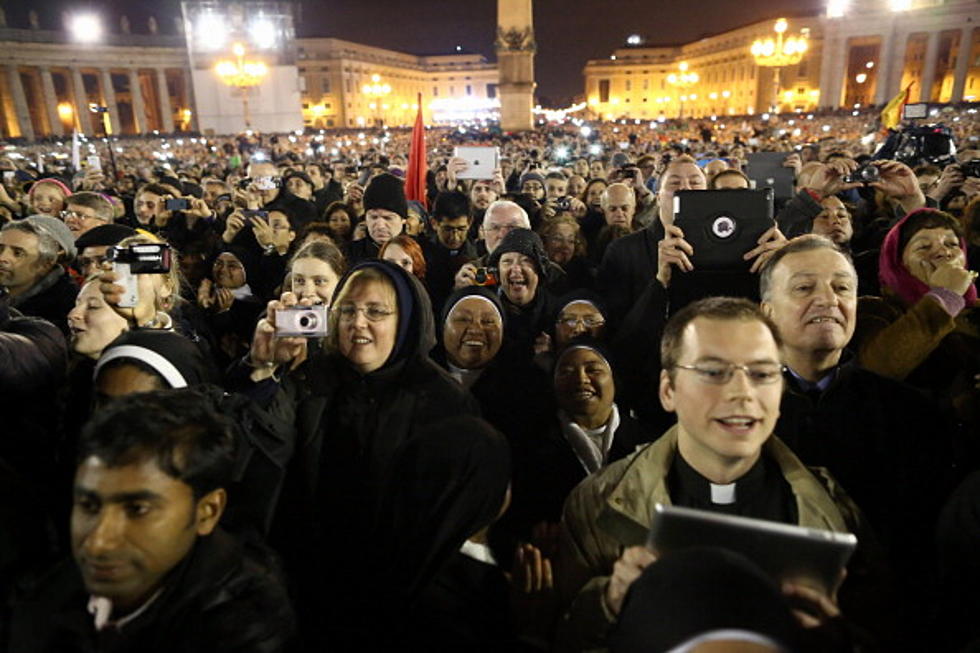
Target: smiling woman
(925, 329)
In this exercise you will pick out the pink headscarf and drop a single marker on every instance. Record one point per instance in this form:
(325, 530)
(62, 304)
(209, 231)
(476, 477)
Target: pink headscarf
(895, 277)
(49, 180)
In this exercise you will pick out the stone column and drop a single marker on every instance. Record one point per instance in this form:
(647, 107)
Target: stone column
(835, 78)
(81, 102)
(962, 63)
(929, 67)
(166, 113)
(899, 49)
(136, 93)
(827, 56)
(886, 60)
(109, 95)
(22, 112)
(515, 60)
(50, 100)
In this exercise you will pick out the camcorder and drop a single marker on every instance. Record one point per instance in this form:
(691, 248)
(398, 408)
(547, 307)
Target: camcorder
(919, 144)
(563, 203)
(301, 322)
(486, 277)
(142, 258)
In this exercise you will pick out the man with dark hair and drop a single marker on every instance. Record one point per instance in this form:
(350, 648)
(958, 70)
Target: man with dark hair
(152, 570)
(448, 248)
(722, 376)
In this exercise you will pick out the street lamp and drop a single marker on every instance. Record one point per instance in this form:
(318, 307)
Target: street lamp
(241, 74)
(683, 80)
(378, 91)
(777, 53)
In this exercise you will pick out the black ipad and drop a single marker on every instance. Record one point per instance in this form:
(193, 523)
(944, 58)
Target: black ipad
(767, 171)
(808, 555)
(723, 225)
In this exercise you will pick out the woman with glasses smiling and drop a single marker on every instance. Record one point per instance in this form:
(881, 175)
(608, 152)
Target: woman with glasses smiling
(346, 409)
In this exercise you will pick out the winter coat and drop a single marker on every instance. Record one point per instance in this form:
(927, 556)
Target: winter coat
(612, 509)
(217, 599)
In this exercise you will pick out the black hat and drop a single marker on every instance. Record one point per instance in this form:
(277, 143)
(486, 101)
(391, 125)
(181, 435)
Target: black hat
(694, 591)
(522, 241)
(386, 192)
(104, 235)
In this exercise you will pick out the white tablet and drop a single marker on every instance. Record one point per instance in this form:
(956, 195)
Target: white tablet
(481, 161)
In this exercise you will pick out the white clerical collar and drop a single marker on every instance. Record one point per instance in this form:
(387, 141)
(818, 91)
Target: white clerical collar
(479, 552)
(463, 376)
(723, 495)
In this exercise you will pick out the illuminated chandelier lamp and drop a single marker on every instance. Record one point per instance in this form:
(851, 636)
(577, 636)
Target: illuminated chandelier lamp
(779, 52)
(242, 75)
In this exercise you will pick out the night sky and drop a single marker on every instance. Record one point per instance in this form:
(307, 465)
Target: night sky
(568, 32)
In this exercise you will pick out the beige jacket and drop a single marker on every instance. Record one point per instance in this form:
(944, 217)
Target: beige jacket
(612, 510)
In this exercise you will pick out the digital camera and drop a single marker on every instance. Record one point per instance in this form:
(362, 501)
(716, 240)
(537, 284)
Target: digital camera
(863, 175)
(970, 168)
(486, 277)
(563, 204)
(302, 322)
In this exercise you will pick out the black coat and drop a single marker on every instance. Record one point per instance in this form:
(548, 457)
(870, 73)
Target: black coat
(550, 470)
(219, 598)
(628, 266)
(885, 443)
(53, 303)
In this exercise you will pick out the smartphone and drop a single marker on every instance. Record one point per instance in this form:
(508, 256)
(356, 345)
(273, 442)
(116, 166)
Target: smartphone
(177, 204)
(93, 162)
(255, 214)
(125, 278)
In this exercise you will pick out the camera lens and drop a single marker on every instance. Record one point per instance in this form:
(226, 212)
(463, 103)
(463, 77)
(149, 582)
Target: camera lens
(307, 321)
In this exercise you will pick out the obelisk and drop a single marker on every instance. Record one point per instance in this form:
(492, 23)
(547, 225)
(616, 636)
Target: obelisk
(515, 62)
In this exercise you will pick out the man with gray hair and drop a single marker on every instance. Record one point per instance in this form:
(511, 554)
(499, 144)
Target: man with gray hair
(501, 217)
(32, 252)
(887, 445)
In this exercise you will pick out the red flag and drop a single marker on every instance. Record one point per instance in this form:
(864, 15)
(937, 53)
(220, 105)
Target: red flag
(415, 187)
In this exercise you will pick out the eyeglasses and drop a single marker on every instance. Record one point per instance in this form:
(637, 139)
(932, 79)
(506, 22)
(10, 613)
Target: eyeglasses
(495, 228)
(589, 321)
(722, 373)
(66, 215)
(348, 312)
(560, 240)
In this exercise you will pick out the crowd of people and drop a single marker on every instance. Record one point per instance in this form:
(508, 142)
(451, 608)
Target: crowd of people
(257, 399)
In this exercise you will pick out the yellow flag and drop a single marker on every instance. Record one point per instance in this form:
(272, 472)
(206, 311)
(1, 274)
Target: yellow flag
(891, 115)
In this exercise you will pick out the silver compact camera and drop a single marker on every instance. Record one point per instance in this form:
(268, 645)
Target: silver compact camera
(302, 322)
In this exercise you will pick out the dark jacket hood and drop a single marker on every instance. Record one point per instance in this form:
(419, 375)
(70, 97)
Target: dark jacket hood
(416, 322)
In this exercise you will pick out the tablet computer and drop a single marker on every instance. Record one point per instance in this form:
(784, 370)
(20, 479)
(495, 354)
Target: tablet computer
(723, 225)
(481, 161)
(786, 552)
(767, 171)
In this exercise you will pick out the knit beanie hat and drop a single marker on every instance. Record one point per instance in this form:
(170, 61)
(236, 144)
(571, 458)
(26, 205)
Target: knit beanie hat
(386, 192)
(522, 241)
(528, 176)
(57, 230)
